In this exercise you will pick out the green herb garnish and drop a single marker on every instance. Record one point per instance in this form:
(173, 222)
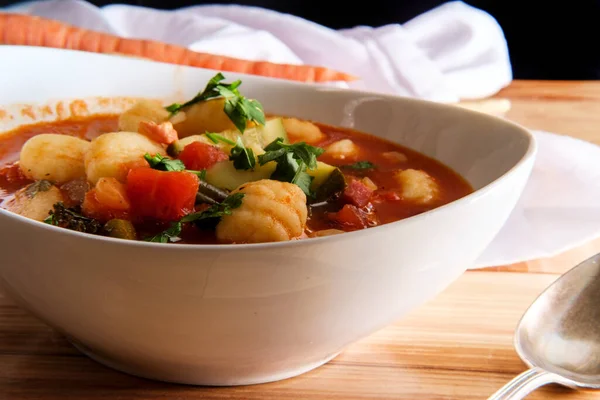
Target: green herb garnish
(216, 138)
(38, 186)
(161, 163)
(292, 162)
(71, 218)
(360, 165)
(242, 157)
(204, 219)
(164, 164)
(238, 108)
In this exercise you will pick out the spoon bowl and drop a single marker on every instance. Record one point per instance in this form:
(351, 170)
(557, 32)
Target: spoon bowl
(558, 337)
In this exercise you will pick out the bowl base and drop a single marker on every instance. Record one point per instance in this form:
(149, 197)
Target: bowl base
(197, 379)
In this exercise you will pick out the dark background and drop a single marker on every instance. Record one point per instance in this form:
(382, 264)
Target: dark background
(546, 40)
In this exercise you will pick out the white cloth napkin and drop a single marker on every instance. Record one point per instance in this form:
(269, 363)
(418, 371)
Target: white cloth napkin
(450, 53)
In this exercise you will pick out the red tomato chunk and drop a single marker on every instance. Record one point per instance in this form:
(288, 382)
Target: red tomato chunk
(198, 156)
(350, 217)
(162, 195)
(357, 193)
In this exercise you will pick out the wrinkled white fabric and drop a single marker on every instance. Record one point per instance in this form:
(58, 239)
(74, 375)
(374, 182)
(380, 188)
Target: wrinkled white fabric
(450, 53)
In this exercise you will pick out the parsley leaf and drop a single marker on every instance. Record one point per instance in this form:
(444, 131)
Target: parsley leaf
(216, 138)
(71, 218)
(168, 235)
(208, 218)
(360, 165)
(164, 164)
(242, 157)
(38, 186)
(238, 108)
(292, 162)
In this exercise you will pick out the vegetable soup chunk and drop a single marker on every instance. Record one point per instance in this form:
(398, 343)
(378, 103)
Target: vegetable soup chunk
(214, 169)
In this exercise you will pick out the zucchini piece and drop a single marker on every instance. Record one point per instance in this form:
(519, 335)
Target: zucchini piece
(224, 175)
(256, 138)
(320, 174)
(333, 185)
(120, 229)
(271, 130)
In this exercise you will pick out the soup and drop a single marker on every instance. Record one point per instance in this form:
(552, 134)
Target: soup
(214, 170)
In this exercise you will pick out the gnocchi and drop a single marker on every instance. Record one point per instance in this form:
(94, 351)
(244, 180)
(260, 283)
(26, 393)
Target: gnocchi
(111, 155)
(417, 185)
(206, 116)
(305, 131)
(271, 211)
(343, 149)
(36, 204)
(54, 157)
(142, 111)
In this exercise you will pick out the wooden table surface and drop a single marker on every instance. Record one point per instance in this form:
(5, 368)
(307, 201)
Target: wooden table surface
(458, 346)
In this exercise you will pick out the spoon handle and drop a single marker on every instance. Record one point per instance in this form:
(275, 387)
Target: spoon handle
(524, 384)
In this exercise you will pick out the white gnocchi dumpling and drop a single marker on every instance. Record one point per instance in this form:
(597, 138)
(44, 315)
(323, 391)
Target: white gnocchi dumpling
(302, 131)
(36, 200)
(205, 116)
(343, 149)
(143, 110)
(54, 157)
(271, 211)
(417, 185)
(111, 155)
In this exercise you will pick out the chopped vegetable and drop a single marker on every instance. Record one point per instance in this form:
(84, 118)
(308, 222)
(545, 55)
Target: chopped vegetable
(360, 165)
(238, 108)
(350, 217)
(242, 157)
(216, 138)
(207, 218)
(357, 193)
(210, 194)
(106, 201)
(333, 186)
(71, 218)
(199, 156)
(38, 186)
(255, 137)
(120, 228)
(31, 202)
(224, 175)
(161, 195)
(292, 162)
(163, 163)
(160, 133)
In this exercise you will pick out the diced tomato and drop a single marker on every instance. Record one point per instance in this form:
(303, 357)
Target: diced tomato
(198, 156)
(113, 193)
(13, 175)
(357, 193)
(351, 217)
(161, 195)
(161, 133)
(387, 195)
(106, 201)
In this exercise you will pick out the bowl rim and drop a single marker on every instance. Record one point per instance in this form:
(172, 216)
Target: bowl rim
(528, 155)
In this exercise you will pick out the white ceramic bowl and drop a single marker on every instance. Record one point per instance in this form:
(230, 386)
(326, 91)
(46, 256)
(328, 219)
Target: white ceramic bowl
(245, 314)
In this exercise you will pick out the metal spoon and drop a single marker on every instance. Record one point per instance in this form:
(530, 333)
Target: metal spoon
(558, 337)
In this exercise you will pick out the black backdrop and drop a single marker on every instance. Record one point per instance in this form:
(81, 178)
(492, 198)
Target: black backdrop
(546, 40)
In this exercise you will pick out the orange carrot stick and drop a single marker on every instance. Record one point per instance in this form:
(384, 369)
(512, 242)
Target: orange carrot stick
(26, 30)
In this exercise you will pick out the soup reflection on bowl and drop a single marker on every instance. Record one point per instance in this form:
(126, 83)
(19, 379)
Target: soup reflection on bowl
(203, 227)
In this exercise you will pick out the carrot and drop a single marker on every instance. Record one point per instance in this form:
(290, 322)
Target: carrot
(26, 30)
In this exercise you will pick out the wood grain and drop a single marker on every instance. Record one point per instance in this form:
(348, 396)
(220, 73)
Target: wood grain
(458, 346)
